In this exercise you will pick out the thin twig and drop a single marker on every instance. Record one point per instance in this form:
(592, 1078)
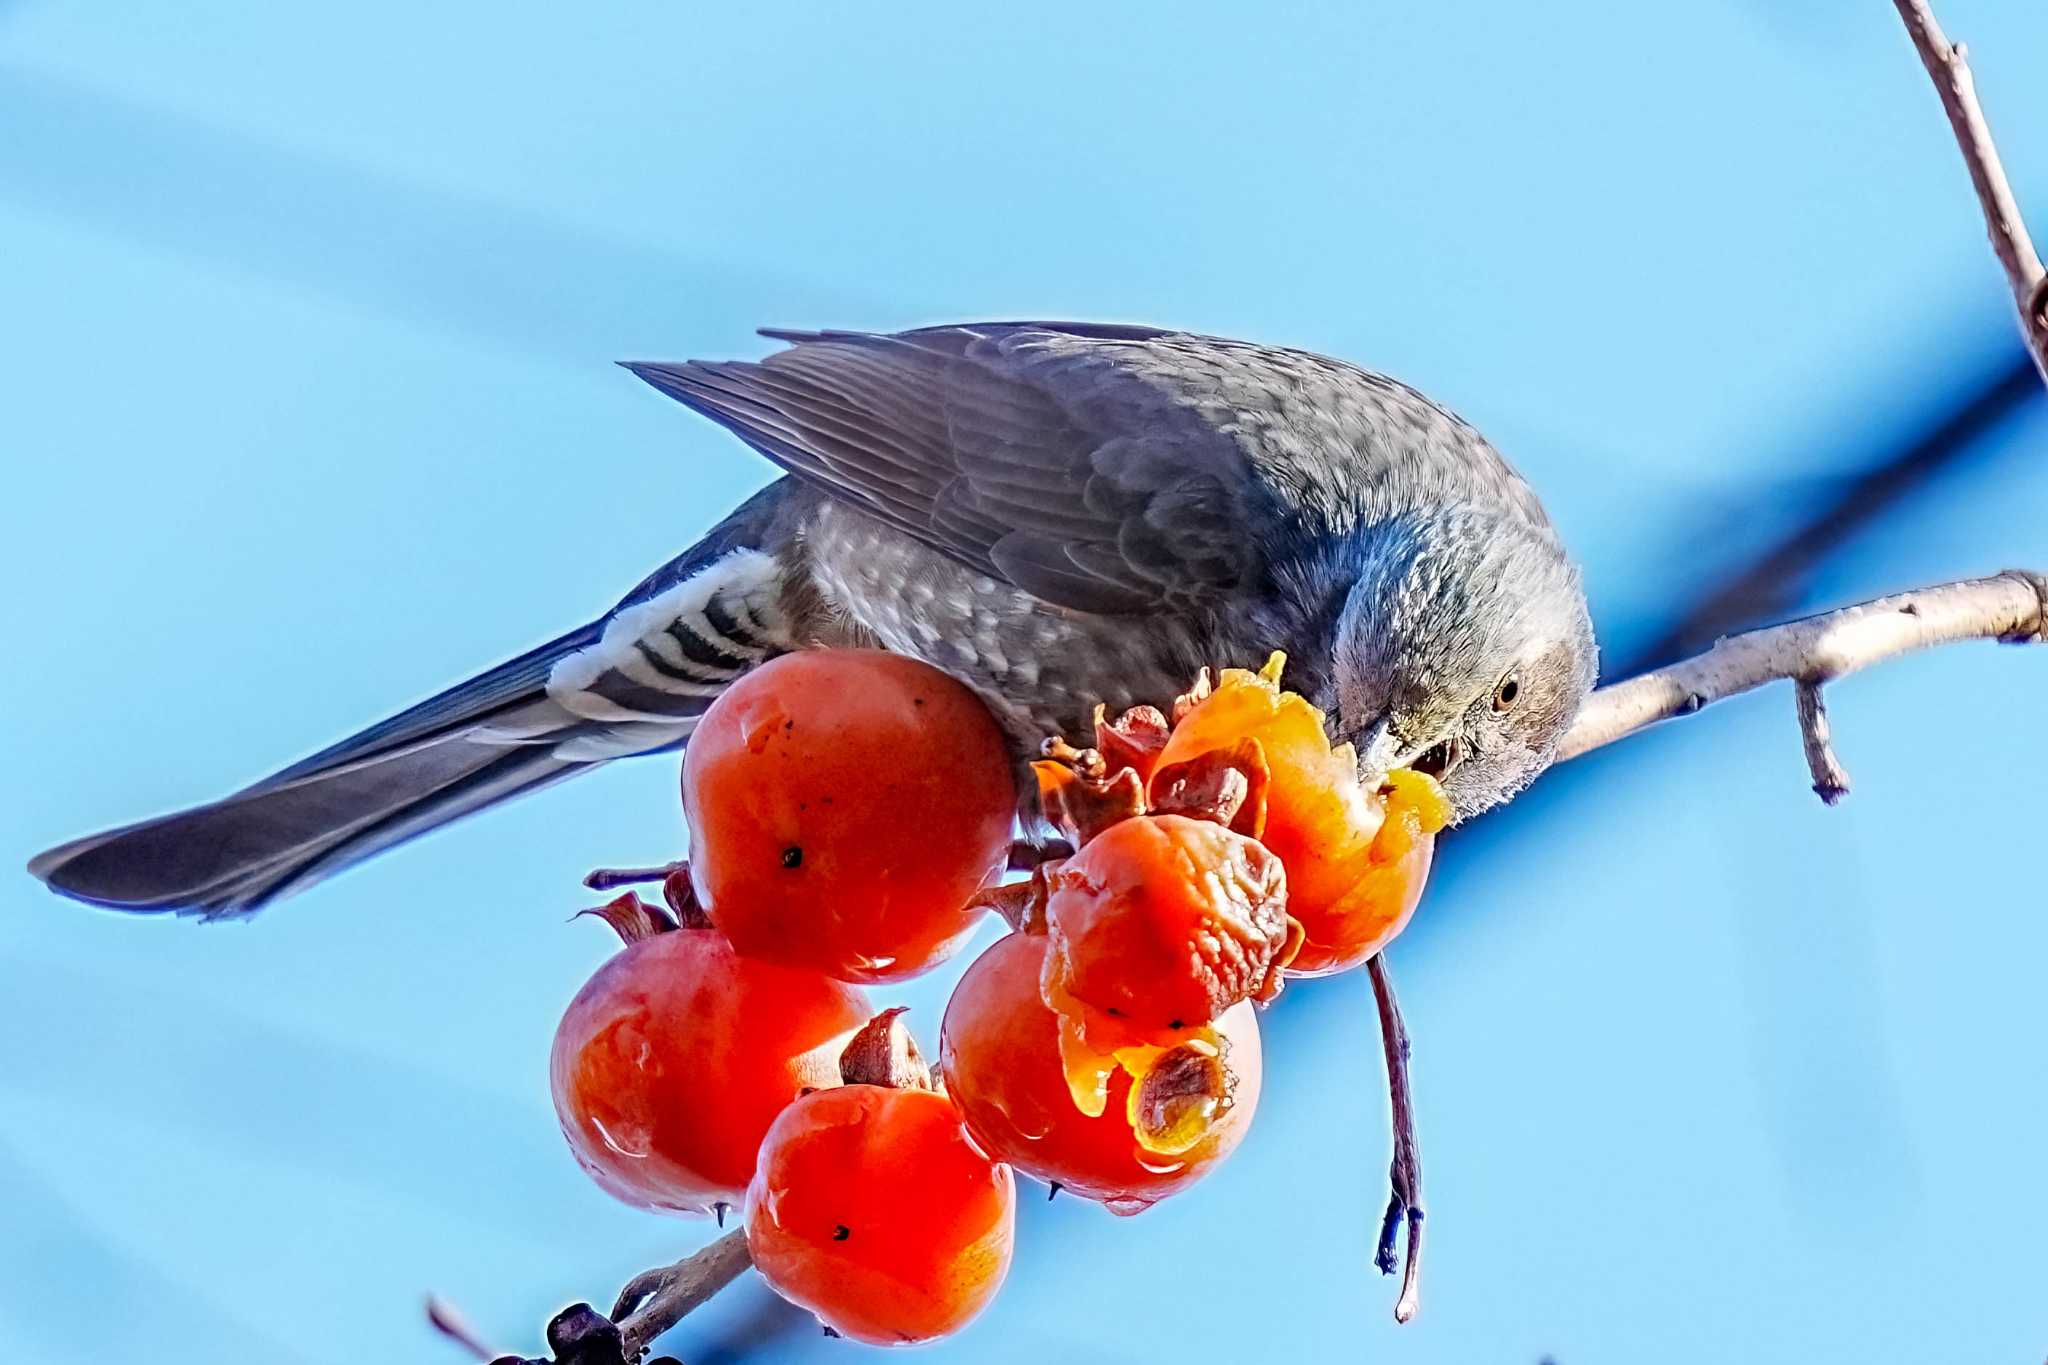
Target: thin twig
(656, 1300)
(1404, 1174)
(1949, 67)
(1830, 778)
(2011, 607)
(448, 1320)
(612, 878)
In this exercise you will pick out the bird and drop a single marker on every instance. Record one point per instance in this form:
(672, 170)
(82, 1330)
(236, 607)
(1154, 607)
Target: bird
(1057, 514)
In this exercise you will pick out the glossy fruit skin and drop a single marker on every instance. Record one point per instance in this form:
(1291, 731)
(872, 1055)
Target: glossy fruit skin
(673, 1060)
(876, 1211)
(843, 805)
(1350, 897)
(1158, 925)
(1383, 899)
(1000, 1055)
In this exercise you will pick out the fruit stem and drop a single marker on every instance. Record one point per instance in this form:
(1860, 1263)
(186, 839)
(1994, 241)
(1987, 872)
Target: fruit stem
(677, 890)
(449, 1321)
(1404, 1202)
(611, 878)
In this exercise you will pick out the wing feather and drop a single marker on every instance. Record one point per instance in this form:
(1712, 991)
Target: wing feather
(1040, 454)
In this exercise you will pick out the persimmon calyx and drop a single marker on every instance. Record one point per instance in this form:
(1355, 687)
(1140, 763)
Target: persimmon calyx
(1021, 904)
(678, 893)
(1226, 785)
(631, 918)
(883, 1053)
(1078, 799)
(1132, 740)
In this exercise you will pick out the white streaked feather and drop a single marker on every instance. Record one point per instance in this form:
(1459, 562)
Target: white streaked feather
(746, 584)
(669, 650)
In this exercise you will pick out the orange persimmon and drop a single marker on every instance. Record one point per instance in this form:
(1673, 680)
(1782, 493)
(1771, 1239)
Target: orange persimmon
(673, 1060)
(1000, 1055)
(1351, 888)
(875, 1210)
(844, 805)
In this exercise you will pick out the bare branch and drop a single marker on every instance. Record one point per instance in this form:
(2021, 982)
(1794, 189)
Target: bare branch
(656, 1300)
(1948, 65)
(449, 1321)
(2010, 607)
(652, 1302)
(1404, 1202)
(1830, 778)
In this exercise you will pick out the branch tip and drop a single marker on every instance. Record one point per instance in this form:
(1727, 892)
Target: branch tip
(445, 1318)
(1830, 778)
(1948, 66)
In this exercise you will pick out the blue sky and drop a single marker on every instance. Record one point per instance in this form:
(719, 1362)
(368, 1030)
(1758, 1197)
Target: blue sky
(310, 411)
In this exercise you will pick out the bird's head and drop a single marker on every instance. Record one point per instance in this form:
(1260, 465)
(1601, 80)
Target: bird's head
(1463, 649)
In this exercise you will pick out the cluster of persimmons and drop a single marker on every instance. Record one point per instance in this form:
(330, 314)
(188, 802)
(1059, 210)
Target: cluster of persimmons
(850, 813)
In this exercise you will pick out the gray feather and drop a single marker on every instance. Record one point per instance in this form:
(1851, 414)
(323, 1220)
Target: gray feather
(1049, 459)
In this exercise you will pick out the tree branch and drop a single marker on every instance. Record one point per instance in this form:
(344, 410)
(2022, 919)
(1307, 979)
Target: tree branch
(1948, 66)
(652, 1302)
(2011, 607)
(656, 1300)
(1830, 778)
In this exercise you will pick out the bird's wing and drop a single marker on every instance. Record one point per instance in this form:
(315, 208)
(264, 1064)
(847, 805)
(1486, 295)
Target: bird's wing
(1045, 455)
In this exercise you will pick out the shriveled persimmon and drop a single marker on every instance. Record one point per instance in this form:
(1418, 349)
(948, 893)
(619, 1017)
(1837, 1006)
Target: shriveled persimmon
(874, 1209)
(1155, 927)
(1352, 890)
(1001, 1059)
(1161, 923)
(844, 805)
(676, 1056)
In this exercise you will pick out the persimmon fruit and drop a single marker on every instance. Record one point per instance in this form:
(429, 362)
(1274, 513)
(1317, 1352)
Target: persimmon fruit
(1351, 889)
(874, 1209)
(1001, 1059)
(844, 806)
(676, 1056)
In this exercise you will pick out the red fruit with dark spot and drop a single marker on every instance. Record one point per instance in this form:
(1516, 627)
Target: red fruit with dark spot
(844, 805)
(873, 1208)
(673, 1060)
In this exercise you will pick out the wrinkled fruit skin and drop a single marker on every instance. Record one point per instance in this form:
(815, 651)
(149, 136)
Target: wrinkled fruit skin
(843, 806)
(673, 1060)
(1000, 1056)
(1161, 924)
(873, 1209)
(1350, 898)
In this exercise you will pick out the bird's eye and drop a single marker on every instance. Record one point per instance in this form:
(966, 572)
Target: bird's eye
(1506, 691)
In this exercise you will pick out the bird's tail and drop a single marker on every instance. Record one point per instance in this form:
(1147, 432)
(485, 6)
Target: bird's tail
(633, 682)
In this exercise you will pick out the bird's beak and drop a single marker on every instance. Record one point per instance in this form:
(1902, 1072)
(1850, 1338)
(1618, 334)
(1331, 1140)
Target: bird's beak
(1379, 748)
